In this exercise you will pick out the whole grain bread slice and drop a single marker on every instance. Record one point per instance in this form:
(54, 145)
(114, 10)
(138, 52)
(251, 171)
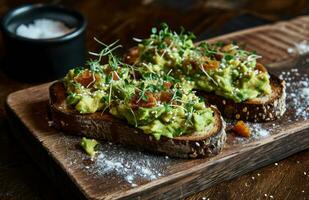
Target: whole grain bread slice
(106, 127)
(261, 109)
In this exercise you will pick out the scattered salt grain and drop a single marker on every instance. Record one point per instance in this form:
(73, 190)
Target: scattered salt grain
(298, 93)
(42, 29)
(271, 196)
(50, 123)
(305, 173)
(263, 133)
(252, 177)
(258, 131)
(116, 162)
(304, 83)
(276, 164)
(132, 166)
(305, 92)
(300, 48)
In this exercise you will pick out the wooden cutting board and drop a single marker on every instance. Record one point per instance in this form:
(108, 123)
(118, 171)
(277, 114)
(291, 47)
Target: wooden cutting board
(120, 173)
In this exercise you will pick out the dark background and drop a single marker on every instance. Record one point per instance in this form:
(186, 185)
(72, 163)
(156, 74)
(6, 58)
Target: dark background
(110, 20)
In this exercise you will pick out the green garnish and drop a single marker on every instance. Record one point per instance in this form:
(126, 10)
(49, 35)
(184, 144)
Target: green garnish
(156, 94)
(224, 69)
(89, 146)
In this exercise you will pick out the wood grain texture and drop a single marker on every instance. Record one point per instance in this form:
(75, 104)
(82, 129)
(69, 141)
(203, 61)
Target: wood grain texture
(181, 177)
(205, 18)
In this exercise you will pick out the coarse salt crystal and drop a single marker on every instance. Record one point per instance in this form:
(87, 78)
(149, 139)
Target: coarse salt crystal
(42, 29)
(304, 83)
(305, 92)
(301, 47)
(50, 123)
(290, 50)
(263, 133)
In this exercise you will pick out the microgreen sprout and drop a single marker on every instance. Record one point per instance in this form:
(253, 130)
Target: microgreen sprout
(107, 50)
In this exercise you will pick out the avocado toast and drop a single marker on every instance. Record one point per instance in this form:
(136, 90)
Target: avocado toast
(225, 74)
(156, 112)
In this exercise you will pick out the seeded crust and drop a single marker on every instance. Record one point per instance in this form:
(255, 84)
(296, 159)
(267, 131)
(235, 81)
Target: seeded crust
(106, 127)
(261, 109)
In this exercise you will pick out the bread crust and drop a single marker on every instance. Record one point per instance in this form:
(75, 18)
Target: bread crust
(106, 127)
(261, 109)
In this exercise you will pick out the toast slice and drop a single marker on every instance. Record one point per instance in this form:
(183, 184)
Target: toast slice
(106, 127)
(261, 109)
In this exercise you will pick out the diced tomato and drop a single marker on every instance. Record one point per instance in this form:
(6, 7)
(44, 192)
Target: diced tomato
(115, 76)
(193, 63)
(139, 102)
(167, 85)
(165, 96)
(211, 64)
(242, 129)
(87, 78)
(131, 57)
(218, 56)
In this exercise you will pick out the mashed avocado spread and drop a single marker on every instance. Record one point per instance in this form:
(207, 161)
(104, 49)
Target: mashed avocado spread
(154, 88)
(156, 103)
(225, 70)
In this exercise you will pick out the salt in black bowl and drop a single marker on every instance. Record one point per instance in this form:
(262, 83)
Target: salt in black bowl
(43, 59)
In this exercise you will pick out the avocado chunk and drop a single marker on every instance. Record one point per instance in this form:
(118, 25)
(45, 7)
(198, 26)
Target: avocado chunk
(89, 146)
(89, 104)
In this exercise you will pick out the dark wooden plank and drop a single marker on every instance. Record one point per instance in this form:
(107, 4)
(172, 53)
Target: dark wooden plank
(144, 14)
(178, 178)
(232, 162)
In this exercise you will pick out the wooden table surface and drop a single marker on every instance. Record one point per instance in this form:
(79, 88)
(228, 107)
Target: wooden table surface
(110, 20)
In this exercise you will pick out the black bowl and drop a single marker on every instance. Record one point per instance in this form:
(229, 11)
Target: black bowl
(43, 59)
